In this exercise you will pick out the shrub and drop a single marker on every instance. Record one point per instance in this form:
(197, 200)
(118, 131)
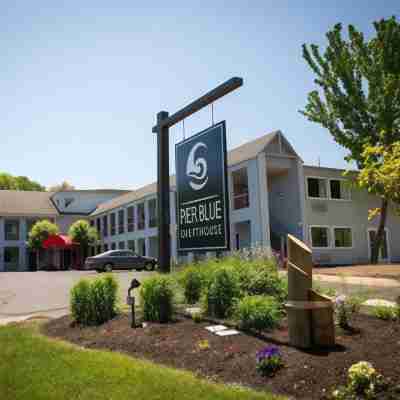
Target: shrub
(269, 360)
(260, 277)
(192, 282)
(81, 302)
(157, 297)
(258, 312)
(104, 293)
(221, 293)
(384, 312)
(93, 303)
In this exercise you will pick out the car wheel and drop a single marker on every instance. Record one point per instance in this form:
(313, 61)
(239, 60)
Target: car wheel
(108, 268)
(149, 266)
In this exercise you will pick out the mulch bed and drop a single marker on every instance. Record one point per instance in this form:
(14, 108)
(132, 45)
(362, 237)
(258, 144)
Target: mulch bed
(306, 375)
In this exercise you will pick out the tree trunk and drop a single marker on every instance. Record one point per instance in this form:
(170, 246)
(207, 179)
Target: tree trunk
(378, 241)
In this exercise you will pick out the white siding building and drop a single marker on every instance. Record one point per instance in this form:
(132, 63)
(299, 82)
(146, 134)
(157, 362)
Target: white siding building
(271, 194)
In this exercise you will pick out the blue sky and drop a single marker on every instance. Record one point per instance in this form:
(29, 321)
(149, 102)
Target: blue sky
(82, 81)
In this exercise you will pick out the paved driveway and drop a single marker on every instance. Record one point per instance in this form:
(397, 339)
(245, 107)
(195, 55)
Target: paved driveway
(47, 293)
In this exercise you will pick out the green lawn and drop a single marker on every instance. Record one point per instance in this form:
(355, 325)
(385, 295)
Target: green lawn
(33, 367)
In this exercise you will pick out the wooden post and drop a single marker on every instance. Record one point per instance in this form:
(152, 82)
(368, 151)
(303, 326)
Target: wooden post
(164, 122)
(163, 189)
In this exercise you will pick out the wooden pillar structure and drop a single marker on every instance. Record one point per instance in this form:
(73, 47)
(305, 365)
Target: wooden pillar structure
(310, 315)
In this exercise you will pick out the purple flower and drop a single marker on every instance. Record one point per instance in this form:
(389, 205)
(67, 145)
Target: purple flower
(340, 300)
(268, 352)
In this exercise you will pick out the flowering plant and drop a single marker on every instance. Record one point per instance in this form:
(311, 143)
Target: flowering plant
(269, 360)
(362, 380)
(361, 376)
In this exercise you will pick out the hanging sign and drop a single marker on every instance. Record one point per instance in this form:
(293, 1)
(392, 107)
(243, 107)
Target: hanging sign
(202, 196)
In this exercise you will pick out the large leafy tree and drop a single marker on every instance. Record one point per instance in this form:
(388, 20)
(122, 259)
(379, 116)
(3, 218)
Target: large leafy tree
(9, 182)
(358, 97)
(82, 233)
(39, 232)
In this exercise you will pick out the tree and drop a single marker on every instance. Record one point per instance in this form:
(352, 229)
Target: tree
(61, 187)
(381, 175)
(40, 231)
(82, 233)
(358, 99)
(9, 182)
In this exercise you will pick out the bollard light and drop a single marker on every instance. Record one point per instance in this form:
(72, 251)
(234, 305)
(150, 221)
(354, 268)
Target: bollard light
(130, 300)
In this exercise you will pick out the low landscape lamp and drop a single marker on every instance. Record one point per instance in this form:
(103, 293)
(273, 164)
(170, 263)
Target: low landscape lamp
(130, 300)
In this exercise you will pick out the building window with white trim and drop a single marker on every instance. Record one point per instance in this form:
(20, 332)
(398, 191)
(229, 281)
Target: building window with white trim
(319, 236)
(11, 229)
(131, 245)
(343, 237)
(105, 226)
(317, 188)
(141, 216)
(339, 189)
(131, 218)
(240, 189)
(112, 224)
(121, 219)
(11, 258)
(152, 213)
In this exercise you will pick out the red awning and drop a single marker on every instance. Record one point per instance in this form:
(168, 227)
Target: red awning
(58, 242)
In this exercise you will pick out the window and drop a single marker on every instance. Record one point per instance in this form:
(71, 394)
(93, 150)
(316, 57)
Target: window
(141, 216)
(98, 249)
(112, 224)
(240, 189)
(131, 245)
(106, 247)
(319, 236)
(113, 246)
(142, 247)
(339, 189)
(121, 245)
(131, 218)
(11, 257)
(98, 225)
(91, 222)
(152, 213)
(317, 188)
(343, 237)
(11, 229)
(121, 218)
(105, 226)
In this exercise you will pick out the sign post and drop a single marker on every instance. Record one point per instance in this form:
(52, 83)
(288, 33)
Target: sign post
(202, 196)
(164, 122)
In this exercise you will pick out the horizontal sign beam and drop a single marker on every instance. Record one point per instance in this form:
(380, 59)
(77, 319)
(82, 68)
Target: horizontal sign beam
(220, 91)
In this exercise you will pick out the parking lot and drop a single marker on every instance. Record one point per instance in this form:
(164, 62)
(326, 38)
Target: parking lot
(47, 293)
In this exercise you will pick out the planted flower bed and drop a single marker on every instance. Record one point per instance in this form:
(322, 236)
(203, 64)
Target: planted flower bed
(249, 294)
(186, 344)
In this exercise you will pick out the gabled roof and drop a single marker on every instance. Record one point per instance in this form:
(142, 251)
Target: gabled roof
(26, 203)
(246, 151)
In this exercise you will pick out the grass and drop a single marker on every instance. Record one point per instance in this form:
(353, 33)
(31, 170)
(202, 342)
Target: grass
(35, 367)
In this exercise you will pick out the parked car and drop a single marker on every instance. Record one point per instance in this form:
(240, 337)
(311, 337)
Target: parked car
(120, 259)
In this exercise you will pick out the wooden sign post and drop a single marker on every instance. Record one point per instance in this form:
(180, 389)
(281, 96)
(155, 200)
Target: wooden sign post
(164, 122)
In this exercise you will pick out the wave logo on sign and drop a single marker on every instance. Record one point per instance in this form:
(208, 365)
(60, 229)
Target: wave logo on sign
(196, 168)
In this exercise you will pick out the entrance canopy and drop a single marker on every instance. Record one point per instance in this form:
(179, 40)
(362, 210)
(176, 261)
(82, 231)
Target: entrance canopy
(58, 242)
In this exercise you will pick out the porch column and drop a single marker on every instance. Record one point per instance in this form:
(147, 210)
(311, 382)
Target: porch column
(263, 200)
(300, 174)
